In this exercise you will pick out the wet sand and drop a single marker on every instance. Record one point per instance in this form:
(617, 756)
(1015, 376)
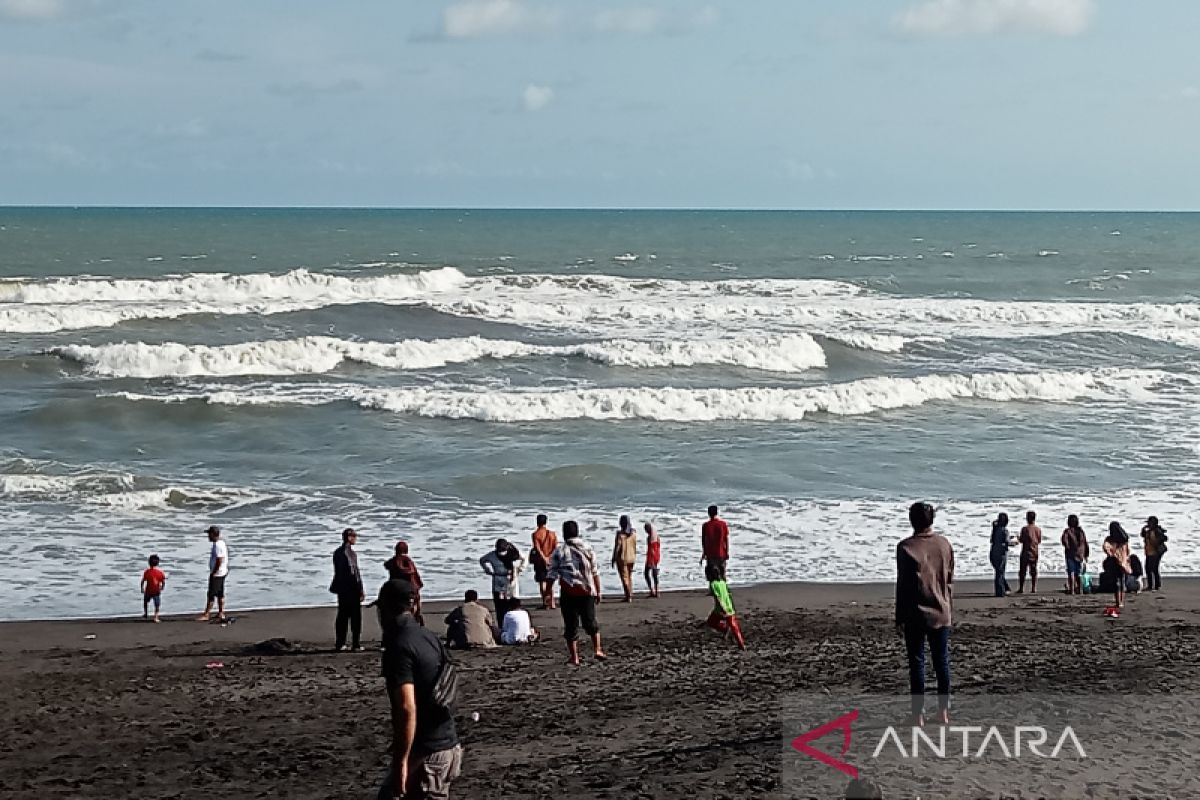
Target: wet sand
(676, 712)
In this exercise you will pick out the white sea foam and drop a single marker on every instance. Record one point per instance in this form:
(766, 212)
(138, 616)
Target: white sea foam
(320, 354)
(762, 404)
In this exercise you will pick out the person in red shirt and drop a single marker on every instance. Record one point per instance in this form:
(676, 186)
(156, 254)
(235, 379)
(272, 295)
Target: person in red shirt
(153, 581)
(653, 557)
(714, 538)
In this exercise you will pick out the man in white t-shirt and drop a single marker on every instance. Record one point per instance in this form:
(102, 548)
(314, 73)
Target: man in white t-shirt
(218, 568)
(517, 627)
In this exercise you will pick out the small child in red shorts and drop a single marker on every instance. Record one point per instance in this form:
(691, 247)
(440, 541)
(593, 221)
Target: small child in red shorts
(153, 581)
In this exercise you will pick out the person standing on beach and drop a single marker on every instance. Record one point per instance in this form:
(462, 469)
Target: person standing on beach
(573, 566)
(1076, 551)
(653, 557)
(401, 567)
(998, 554)
(1031, 542)
(348, 586)
(499, 564)
(924, 603)
(1116, 565)
(218, 569)
(422, 688)
(1154, 540)
(624, 556)
(714, 539)
(153, 581)
(544, 542)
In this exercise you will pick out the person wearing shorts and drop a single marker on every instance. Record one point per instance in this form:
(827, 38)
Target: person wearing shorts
(153, 580)
(544, 543)
(218, 569)
(573, 566)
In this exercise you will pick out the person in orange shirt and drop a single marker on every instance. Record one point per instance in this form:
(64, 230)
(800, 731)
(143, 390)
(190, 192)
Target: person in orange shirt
(153, 581)
(545, 542)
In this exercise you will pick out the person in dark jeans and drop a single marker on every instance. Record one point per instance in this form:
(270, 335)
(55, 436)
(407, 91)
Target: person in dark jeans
(924, 581)
(1154, 539)
(998, 554)
(347, 585)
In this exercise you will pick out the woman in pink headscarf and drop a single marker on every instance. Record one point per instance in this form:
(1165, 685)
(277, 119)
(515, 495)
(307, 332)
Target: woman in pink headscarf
(401, 566)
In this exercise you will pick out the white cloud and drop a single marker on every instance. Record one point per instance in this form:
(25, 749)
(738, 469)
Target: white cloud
(636, 21)
(31, 9)
(1189, 92)
(475, 19)
(982, 17)
(537, 97)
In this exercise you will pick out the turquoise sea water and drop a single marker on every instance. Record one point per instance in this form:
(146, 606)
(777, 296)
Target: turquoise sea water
(443, 376)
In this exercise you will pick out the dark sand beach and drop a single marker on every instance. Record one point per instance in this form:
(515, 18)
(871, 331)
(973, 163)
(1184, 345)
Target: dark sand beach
(676, 712)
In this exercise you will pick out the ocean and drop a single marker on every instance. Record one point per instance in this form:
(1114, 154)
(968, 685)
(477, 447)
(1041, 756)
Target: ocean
(443, 376)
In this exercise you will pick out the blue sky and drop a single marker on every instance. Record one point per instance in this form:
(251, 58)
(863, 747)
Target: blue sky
(653, 103)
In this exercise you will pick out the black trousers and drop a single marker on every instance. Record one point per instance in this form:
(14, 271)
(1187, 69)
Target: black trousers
(349, 614)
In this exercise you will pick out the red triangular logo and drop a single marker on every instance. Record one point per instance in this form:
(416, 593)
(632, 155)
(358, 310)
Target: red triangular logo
(842, 723)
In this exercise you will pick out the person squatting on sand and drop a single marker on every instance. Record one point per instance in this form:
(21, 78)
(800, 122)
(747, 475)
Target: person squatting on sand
(1076, 552)
(422, 688)
(573, 566)
(998, 553)
(624, 555)
(401, 566)
(653, 558)
(1031, 543)
(924, 602)
(218, 570)
(470, 625)
(714, 539)
(1154, 541)
(503, 563)
(1116, 566)
(153, 581)
(544, 542)
(517, 628)
(348, 586)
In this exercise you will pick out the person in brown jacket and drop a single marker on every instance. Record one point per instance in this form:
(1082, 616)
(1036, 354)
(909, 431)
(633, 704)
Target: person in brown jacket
(625, 555)
(924, 581)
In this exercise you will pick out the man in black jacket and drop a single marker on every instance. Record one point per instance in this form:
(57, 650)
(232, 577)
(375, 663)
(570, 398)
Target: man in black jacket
(347, 585)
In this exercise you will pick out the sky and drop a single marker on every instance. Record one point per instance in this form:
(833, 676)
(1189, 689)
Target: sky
(947, 104)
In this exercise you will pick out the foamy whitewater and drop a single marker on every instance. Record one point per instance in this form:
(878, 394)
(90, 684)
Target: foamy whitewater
(444, 376)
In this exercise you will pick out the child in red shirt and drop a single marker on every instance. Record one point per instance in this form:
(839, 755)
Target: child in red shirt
(153, 581)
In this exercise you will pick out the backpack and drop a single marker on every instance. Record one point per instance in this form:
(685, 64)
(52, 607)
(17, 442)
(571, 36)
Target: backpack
(445, 687)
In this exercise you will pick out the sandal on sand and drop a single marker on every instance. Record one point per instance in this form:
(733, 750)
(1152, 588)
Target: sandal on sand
(601, 656)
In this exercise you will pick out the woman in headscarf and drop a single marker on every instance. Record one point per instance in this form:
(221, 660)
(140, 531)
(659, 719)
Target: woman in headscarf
(1076, 552)
(624, 555)
(1116, 565)
(402, 567)
(1154, 539)
(998, 554)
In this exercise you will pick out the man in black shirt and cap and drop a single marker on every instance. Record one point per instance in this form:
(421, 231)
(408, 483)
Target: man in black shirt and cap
(426, 755)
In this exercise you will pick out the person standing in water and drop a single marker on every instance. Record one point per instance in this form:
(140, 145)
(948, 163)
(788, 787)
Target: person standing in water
(653, 557)
(1031, 542)
(624, 556)
(1076, 551)
(544, 542)
(998, 554)
(714, 539)
(1154, 540)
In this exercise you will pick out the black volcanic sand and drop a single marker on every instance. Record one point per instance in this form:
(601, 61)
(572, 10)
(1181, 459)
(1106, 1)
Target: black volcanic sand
(677, 711)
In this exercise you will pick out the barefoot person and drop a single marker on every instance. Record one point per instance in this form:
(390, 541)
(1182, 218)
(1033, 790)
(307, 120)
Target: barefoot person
(544, 542)
(153, 581)
(714, 539)
(1031, 542)
(998, 554)
(401, 567)
(470, 625)
(1075, 551)
(924, 584)
(573, 565)
(426, 755)
(1116, 566)
(653, 557)
(500, 564)
(624, 556)
(347, 585)
(1154, 541)
(218, 569)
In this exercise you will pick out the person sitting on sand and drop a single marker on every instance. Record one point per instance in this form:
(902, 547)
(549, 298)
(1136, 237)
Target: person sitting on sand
(1031, 541)
(544, 542)
(470, 625)
(1116, 566)
(723, 617)
(218, 570)
(517, 628)
(499, 564)
(624, 556)
(573, 565)
(1133, 581)
(401, 567)
(153, 581)
(1076, 552)
(924, 603)
(653, 557)
(714, 541)
(998, 554)
(1154, 542)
